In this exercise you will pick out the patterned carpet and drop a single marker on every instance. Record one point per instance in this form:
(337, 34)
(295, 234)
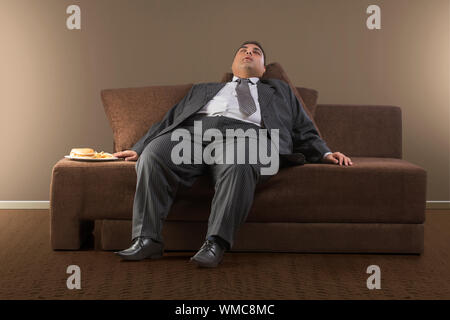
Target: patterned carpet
(29, 269)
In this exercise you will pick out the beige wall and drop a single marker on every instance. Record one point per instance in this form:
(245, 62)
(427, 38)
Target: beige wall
(51, 77)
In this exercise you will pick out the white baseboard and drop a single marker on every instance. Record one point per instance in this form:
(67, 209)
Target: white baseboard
(46, 205)
(24, 205)
(438, 204)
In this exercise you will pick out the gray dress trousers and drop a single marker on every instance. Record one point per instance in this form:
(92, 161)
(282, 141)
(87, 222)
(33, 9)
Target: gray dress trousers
(158, 179)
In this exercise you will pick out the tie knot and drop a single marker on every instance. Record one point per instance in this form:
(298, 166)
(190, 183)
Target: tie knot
(244, 80)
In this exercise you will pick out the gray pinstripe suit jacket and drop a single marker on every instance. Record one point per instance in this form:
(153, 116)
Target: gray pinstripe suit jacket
(280, 109)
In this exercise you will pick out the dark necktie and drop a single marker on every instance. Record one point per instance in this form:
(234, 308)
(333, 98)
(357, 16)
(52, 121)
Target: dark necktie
(245, 99)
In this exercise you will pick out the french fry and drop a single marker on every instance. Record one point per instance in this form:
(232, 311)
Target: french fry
(103, 155)
(98, 155)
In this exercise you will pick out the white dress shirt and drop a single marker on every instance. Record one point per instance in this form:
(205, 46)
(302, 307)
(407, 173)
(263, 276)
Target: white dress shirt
(225, 103)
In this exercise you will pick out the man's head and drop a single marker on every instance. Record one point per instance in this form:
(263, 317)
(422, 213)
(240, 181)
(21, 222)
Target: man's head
(249, 60)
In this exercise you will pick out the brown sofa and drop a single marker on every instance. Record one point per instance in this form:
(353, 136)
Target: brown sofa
(375, 206)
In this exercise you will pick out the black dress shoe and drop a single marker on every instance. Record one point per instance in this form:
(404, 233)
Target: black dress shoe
(209, 255)
(142, 248)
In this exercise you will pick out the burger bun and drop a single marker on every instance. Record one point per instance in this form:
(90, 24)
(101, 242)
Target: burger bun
(82, 152)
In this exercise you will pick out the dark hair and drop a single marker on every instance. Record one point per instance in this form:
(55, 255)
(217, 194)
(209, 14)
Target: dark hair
(256, 43)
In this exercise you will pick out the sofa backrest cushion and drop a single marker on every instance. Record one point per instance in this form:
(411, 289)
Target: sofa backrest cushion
(131, 111)
(308, 97)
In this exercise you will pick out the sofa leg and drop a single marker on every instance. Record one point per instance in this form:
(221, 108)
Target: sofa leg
(70, 235)
(86, 232)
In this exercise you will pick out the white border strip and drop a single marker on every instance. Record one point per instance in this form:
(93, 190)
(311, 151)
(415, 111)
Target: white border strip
(46, 205)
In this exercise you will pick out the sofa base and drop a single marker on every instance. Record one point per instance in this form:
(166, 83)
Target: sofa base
(284, 237)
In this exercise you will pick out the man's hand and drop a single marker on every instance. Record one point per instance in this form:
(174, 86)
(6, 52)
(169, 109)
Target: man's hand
(129, 155)
(337, 157)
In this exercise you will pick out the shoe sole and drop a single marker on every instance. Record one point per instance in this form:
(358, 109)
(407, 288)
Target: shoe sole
(138, 258)
(205, 264)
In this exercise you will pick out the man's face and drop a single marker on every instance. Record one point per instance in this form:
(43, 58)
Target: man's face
(249, 60)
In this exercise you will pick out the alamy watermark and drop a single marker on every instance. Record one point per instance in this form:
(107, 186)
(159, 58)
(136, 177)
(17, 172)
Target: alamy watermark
(374, 281)
(73, 22)
(74, 280)
(221, 151)
(374, 20)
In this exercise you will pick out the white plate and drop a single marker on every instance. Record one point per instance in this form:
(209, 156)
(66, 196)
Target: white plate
(91, 159)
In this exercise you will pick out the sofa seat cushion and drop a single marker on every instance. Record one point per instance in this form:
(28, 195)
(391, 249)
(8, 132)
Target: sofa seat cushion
(373, 190)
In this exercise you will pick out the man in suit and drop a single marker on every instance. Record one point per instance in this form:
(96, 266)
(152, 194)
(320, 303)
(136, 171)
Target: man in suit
(246, 102)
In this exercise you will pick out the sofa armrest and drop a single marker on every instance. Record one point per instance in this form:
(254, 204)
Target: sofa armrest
(361, 130)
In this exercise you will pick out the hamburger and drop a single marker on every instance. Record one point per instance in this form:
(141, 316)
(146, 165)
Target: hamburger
(82, 152)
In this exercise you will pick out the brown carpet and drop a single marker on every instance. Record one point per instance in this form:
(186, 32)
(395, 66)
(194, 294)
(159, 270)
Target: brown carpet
(30, 269)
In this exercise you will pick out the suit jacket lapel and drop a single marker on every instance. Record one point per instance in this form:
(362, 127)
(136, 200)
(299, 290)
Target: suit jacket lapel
(198, 102)
(212, 89)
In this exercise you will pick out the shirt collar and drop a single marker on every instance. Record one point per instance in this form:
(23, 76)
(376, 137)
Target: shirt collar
(253, 80)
